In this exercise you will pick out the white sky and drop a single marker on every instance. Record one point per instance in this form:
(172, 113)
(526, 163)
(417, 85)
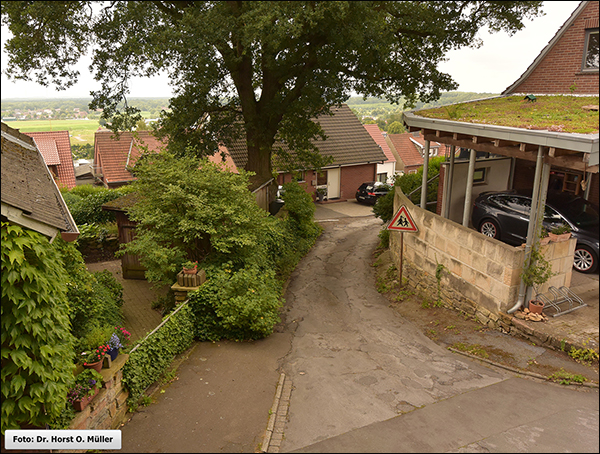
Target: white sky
(490, 69)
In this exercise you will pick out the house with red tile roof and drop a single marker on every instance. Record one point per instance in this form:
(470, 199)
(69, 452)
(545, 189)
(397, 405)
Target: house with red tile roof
(30, 195)
(113, 156)
(55, 147)
(410, 148)
(387, 170)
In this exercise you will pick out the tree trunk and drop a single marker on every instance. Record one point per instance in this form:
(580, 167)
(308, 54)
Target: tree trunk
(259, 156)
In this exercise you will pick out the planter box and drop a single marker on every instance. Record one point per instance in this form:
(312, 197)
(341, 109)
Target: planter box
(79, 405)
(191, 280)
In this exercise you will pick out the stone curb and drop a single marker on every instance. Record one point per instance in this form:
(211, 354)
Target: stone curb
(518, 371)
(279, 411)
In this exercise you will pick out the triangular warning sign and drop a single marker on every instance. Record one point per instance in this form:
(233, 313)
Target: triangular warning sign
(402, 221)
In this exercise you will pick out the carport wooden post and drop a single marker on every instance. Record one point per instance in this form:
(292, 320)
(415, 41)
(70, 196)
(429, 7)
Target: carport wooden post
(425, 172)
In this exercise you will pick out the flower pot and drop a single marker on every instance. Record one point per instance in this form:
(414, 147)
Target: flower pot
(536, 306)
(113, 353)
(97, 366)
(558, 238)
(79, 405)
(190, 270)
(544, 241)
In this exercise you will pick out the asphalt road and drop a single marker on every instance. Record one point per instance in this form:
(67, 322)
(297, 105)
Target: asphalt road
(367, 380)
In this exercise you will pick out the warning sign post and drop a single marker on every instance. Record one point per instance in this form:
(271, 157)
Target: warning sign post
(402, 222)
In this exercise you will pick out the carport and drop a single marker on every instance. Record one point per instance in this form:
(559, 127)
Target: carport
(545, 148)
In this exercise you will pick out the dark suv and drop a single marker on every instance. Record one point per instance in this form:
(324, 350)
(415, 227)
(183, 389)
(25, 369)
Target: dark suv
(505, 216)
(369, 192)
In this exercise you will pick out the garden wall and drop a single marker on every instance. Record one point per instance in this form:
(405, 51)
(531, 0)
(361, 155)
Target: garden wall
(480, 275)
(108, 409)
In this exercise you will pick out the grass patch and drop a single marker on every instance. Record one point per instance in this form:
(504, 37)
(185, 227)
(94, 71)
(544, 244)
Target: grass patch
(474, 349)
(553, 113)
(81, 131)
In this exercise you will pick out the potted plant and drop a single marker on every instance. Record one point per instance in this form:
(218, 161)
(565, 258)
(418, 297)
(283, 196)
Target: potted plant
(560, 233)
(534, 275)
(85, 389)
(544, 237)
(94, 359)
(123, 335)
(190, 267)
(115, 344)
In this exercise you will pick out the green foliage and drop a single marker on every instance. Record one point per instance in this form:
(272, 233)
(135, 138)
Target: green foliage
(155, 354)
(566, 378)
(95, 298)
(236, 305)
(538, 271)
(396, 127)
(474, 349)
(192, 210)
(82, 151)
(384, 207)
(584, 355)
(85, 203)
(36, 340)
(63, 420)
(384, 238)
(301, 210)
(560, 229)
(279, 63)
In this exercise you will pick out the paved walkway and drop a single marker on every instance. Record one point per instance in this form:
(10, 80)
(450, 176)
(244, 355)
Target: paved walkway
(138, 296)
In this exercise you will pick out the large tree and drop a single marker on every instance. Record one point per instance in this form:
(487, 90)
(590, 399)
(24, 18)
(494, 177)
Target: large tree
(259, 70)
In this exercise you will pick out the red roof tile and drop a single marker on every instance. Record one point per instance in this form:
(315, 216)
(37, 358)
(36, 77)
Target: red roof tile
(114, 156)
(377, 136)
(407, 146)
(55, 147)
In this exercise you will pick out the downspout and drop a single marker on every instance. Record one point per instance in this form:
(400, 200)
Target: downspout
(425, 172)
(532, 226)
(449, 183)
(469, 189)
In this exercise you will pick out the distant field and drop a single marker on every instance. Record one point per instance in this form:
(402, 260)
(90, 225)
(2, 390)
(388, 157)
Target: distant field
(81, 131)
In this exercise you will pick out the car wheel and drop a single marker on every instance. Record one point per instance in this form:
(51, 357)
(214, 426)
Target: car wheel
(585, 261)
(490, 228)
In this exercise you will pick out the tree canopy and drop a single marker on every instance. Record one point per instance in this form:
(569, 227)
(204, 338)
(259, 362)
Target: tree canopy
(258, 71)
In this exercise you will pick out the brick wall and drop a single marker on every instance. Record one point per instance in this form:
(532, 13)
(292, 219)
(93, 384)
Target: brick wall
(353, 176)
(480, 275)
(108, 409)
(561, 67)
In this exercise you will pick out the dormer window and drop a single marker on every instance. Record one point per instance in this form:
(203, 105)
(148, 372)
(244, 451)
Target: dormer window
(590, 56)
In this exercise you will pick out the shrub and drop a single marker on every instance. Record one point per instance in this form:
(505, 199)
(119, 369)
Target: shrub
(95, 299)
(37, 350)
(85, 203)
(236, 305)
(155, 354)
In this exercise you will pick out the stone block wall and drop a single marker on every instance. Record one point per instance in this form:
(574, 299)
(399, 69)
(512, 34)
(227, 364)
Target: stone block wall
(108, 409)
(479, 274)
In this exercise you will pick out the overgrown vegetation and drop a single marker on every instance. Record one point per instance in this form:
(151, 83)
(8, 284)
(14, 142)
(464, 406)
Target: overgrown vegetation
(566, 378)
(554, 113)
(37, 345)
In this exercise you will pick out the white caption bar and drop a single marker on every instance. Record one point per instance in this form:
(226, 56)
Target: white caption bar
(62, 439)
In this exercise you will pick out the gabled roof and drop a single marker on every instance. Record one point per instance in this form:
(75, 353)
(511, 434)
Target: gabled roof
(408, 146)
(377, 136)
(55, 147)
(30, 196)
(348, 142)
(116, 155)
(561, 31)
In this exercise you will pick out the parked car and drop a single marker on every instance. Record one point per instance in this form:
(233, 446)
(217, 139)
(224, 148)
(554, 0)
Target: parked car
(505, 216)
(369, 192)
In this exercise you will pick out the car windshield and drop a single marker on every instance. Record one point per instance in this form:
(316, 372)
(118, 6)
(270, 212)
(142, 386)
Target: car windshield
(581, 213)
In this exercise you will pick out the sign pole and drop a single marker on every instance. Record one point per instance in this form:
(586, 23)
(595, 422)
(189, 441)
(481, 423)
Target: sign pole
(401, 255)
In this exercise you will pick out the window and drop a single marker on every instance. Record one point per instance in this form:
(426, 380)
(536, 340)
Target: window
(382, 177)
(322, 178)
(590, 56)
(479, 175)
(300, 176)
